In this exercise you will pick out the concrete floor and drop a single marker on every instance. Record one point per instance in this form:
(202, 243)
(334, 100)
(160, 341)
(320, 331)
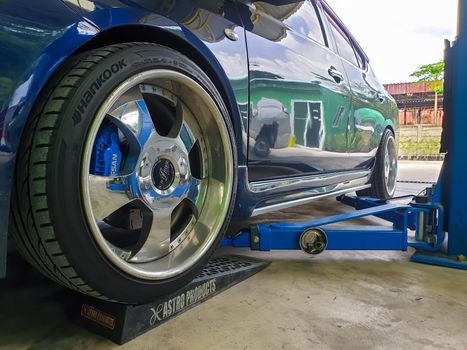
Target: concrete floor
(338, 300)
(411, 172)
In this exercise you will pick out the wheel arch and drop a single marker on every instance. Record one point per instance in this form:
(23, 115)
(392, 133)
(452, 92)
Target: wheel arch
(390, 125)
(187, 44)
(394, 131)
(391, 128)
(392, 119)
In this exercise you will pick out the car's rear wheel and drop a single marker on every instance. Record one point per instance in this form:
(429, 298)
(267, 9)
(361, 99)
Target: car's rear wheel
(384, 177)
(125, 180)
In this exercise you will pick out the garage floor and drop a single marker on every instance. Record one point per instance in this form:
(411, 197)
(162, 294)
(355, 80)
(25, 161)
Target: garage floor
(338, 300)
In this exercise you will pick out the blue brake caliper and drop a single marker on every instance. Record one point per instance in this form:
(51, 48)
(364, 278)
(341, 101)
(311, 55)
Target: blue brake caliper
(107, 156)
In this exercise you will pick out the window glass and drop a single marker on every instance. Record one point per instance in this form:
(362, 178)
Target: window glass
(304, 20)
(344, 47)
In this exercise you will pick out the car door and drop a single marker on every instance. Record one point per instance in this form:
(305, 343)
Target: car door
(369, 100)
(299, 95)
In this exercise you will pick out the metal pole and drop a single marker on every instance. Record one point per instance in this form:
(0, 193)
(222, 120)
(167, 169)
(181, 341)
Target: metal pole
(456, 167)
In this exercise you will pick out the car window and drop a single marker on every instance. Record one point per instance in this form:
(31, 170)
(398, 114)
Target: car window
(305, 21)
(343, 43)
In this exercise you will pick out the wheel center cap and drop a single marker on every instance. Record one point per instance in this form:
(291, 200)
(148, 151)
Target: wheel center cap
(163, 174)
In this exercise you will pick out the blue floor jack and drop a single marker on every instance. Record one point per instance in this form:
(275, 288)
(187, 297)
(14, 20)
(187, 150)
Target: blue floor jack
(419, 224)
(423, 216)
(434, 224)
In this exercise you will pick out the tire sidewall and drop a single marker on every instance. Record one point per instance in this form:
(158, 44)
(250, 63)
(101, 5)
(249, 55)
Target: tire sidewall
(381, 186)
(65, 171)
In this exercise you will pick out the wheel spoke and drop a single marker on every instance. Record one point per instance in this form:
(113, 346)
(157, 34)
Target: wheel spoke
(108, 194)
(154, 241)
(166, 112)
(133, 120)
(178, 122)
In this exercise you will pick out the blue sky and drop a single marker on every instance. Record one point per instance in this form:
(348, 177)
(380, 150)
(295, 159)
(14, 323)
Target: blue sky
(399, 35)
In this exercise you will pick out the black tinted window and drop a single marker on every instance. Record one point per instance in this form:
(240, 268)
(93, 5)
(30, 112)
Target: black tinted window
(305, 21)
(344, 46)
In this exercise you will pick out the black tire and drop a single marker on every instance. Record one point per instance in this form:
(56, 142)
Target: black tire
(379, 185)
(48, 219)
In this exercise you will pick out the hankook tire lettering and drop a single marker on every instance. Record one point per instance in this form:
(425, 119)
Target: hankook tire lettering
(95, 87)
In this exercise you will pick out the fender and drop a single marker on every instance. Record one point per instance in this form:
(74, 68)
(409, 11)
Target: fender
(392, 121)
(389, 123)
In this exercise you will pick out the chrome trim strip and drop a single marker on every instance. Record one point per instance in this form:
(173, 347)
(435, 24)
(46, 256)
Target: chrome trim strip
(301, 201)
(307, 181)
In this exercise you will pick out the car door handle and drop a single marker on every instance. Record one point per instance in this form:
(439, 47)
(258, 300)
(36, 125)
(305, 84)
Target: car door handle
(338, 76)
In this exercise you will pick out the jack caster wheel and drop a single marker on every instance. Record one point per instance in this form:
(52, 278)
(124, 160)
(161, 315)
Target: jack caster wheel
(313, 241)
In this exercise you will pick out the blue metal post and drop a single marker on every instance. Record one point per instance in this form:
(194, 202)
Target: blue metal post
(452, 181)
(457, 161)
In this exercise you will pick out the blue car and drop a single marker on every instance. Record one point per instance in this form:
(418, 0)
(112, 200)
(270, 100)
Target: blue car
(135, 133)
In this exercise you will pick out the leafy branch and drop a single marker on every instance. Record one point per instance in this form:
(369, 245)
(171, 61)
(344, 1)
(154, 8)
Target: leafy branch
(432, 74)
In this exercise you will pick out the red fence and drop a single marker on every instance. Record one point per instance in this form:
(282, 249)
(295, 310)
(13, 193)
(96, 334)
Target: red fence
(407, 88)
(416, 103)
(409, 117)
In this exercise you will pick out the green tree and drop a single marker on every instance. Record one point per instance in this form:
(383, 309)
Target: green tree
(433, 75)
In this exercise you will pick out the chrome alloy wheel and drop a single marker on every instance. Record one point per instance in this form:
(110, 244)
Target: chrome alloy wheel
(390, 165)
(168, 192)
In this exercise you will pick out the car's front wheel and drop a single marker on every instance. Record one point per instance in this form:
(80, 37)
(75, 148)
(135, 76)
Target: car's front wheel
(125, 178)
